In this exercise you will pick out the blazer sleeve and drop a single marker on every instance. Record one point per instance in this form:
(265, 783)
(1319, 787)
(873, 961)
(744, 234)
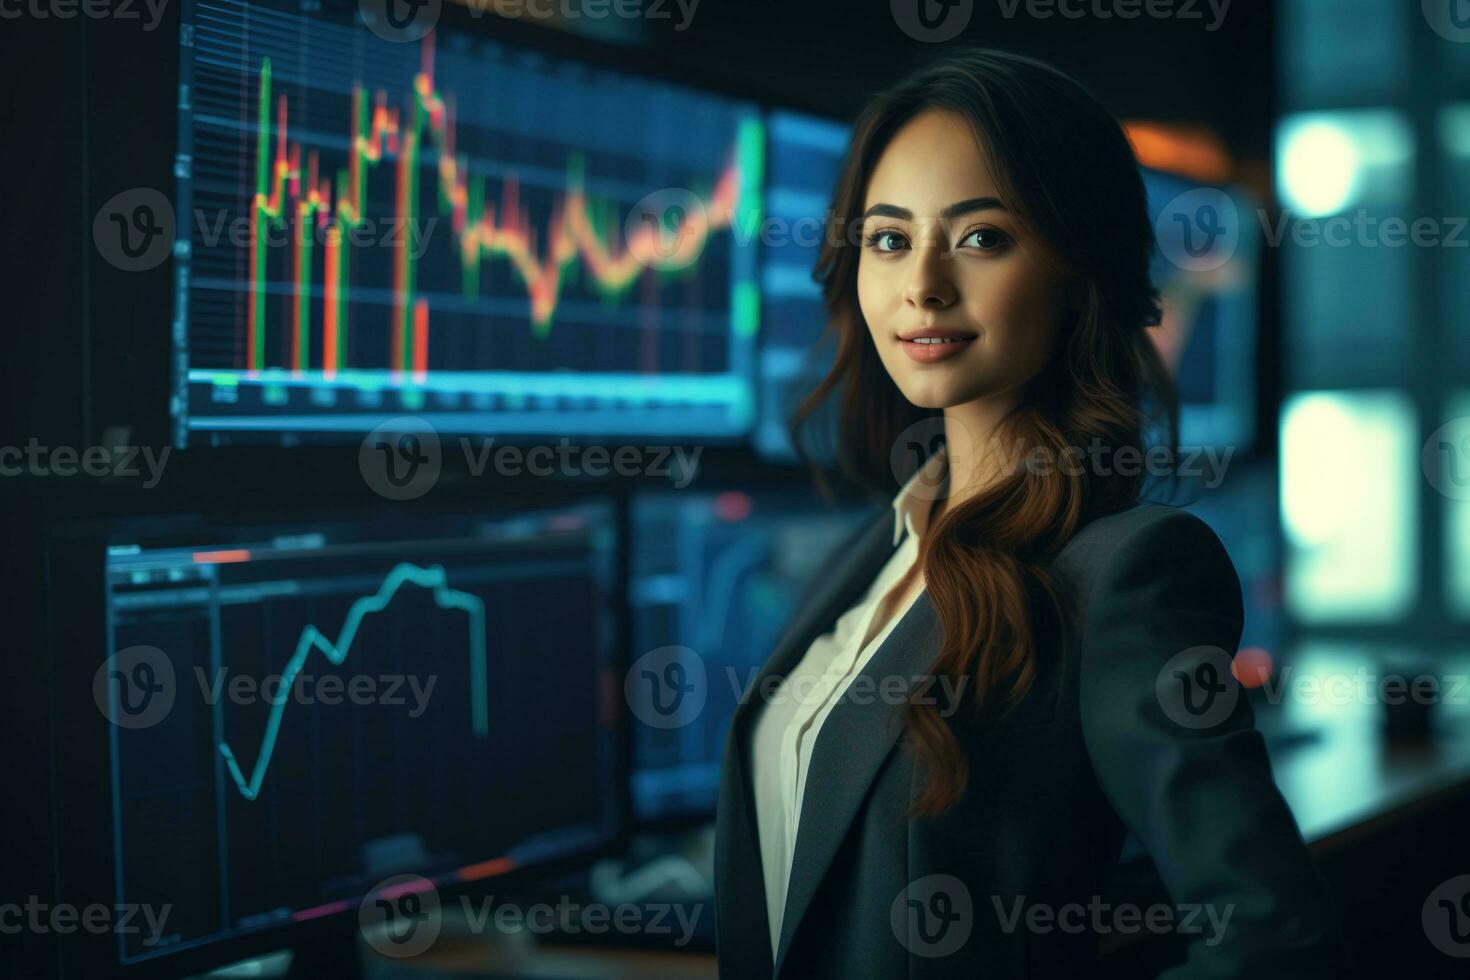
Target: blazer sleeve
(1172, 740)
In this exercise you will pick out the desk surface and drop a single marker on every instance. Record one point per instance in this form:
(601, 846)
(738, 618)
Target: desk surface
(1350, 778)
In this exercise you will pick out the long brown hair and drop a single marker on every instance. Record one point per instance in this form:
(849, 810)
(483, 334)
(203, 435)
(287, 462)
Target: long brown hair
(1064, 168)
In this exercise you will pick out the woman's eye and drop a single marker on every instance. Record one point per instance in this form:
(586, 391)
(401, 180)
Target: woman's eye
(985, 239)
(886, 241)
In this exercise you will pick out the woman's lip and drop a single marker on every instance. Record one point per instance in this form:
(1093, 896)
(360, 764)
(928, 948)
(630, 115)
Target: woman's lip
(942, 332)
(928, 353)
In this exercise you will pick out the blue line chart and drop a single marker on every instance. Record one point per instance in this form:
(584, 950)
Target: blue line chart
(434, 578)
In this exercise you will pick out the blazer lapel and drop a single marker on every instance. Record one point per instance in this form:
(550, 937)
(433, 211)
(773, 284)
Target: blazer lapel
(853, 743)
(742, 920)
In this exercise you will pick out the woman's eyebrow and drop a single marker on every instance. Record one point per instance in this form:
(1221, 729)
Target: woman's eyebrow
(949, 211)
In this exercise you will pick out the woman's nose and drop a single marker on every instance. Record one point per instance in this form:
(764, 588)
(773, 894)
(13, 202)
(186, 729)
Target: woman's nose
(931, 285)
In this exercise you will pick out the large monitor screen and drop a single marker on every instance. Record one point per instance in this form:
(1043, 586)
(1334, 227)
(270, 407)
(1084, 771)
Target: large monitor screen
(803, 157)
(301, 711)
(483, 235)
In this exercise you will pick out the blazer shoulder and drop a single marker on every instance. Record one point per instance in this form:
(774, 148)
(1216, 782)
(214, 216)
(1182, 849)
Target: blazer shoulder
(1141, 525)
(1143, 535)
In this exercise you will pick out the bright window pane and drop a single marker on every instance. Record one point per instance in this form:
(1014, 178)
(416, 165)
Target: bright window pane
(1345, 182)
(1451, 448)
(1454, 129)
(1349, 471)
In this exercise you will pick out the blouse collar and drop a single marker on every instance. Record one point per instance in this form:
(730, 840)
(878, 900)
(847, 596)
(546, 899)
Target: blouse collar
(914, 501)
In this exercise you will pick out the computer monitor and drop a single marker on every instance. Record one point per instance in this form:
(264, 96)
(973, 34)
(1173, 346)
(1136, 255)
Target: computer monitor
(718, 574)
(1211, 309)
(296, 712)
(803, 156)
(488, 236)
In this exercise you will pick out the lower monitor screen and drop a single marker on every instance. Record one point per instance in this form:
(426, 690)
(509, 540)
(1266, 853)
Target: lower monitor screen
(303, 710)
(719, 575)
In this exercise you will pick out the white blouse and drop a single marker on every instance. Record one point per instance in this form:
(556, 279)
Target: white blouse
(786, 726)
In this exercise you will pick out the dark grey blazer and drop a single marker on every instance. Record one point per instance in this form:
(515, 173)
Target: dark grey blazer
(1143, 729)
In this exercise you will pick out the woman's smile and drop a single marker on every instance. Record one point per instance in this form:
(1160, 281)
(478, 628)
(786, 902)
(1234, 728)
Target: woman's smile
(928, 345)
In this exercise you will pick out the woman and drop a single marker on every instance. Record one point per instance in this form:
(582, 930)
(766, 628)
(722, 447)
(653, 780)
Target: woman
(934, 773)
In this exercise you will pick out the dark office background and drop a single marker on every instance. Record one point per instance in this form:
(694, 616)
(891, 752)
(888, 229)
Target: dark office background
(1335, 374)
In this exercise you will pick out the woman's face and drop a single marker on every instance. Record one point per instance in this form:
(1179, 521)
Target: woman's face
(961, 302)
